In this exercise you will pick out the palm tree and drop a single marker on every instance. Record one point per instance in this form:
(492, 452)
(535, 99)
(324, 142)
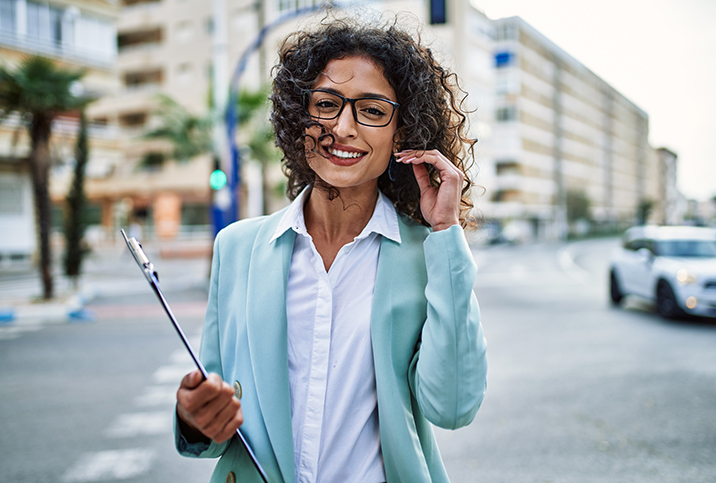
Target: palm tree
(256, 133)
(38, 90)
(188, 135)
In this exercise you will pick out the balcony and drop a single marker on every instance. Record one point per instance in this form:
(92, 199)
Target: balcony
(78, 54)
(141, 40)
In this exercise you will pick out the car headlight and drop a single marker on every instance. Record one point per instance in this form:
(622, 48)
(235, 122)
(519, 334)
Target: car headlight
(684, 277)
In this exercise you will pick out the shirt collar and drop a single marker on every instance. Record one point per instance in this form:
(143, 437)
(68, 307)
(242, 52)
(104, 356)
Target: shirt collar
(383, 222)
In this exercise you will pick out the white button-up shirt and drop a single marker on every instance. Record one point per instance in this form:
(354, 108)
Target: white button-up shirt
(334, 406)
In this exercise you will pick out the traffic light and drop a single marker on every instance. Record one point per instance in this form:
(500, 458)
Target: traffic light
(217, 179)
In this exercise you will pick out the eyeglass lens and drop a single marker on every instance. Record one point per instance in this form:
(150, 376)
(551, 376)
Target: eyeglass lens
(367, 111)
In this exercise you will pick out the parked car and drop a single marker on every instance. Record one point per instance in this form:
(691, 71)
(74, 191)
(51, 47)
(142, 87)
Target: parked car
(674, 266)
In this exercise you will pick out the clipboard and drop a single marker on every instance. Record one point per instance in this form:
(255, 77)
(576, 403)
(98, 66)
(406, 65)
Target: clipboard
(150, 273)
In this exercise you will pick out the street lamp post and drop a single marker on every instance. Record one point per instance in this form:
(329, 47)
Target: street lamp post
(231, 117)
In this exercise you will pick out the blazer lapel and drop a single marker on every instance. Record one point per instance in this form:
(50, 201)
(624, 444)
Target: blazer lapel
(266, 331)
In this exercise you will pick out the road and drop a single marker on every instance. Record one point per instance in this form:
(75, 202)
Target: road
(578, 391)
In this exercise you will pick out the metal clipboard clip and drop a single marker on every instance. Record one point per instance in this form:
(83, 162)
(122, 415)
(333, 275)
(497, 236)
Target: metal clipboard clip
(152, 277)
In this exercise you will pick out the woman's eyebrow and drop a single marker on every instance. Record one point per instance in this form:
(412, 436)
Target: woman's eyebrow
(360, 96)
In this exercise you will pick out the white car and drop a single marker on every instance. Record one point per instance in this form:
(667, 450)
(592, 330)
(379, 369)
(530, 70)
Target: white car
(674, 266)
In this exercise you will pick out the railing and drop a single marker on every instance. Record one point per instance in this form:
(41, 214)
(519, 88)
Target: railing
(143, 47)
(57, 50)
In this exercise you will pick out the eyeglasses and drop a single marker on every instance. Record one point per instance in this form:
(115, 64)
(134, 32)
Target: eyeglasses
(368, 111)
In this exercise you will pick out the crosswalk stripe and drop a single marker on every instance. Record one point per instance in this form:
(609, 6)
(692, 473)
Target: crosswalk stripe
(110, 465)
(135, 424)
(158, 395)
(14, 331)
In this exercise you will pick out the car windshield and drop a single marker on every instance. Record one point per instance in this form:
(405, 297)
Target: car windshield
(686, 248)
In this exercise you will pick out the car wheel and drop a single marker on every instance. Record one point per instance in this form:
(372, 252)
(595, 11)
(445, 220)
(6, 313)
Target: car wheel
(615, 292)
(666, 302)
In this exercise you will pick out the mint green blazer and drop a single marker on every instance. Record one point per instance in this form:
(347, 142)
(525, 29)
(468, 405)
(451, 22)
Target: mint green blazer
(428, 347)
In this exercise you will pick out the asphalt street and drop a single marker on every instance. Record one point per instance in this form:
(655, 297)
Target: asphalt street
(578, 391)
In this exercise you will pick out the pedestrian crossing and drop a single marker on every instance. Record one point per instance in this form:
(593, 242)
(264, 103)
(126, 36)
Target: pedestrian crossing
(153, 417)
(12, 332)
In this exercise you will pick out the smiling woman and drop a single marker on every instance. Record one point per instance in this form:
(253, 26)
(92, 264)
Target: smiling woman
(347, 319)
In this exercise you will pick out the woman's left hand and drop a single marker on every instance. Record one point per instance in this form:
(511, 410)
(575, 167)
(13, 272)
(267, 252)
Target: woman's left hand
(440, 205)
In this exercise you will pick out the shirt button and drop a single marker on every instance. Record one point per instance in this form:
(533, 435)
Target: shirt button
(230, 477)
(238, 392)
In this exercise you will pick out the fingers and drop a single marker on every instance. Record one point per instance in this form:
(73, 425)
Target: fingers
(209, 406)
(440, 205)
(447, 171)
(191, 380)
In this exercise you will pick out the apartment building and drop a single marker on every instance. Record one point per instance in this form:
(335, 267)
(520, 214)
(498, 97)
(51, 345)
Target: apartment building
(548, 128)
(77, 35)
(168, 47)
(560, 131)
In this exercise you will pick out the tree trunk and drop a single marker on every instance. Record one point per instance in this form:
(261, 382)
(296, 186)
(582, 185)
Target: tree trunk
(40, 131)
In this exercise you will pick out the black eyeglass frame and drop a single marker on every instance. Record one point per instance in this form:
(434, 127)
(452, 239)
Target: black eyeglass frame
(352, 102)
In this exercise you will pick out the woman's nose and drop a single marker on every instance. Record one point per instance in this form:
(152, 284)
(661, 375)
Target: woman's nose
(345, 123)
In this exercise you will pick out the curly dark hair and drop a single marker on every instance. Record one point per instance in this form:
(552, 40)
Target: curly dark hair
(430, 116)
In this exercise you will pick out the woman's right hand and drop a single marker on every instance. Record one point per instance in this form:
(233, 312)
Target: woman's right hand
(209, 406)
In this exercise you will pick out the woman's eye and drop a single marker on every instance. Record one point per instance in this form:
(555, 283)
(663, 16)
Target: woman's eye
(373, 111)
(326, 105)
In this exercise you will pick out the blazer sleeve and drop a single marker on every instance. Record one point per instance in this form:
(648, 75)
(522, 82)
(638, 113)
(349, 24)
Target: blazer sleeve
(210, 356)
(448, 374)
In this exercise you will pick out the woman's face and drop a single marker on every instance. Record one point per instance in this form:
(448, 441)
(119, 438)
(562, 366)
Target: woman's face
(360, 153)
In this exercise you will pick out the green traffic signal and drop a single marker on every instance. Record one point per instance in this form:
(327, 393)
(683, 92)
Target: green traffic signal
(217, 179)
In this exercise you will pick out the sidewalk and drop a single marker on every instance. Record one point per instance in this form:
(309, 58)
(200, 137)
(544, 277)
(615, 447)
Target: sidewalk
(108, 271)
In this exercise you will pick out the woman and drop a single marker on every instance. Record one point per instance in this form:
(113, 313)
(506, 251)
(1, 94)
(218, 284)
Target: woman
(346, 322)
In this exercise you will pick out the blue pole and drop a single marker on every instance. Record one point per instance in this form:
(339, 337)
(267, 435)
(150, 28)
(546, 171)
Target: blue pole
(232, 108)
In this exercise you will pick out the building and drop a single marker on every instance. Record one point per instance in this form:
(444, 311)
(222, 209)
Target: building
(77, 35)
(168, 48)
(562, 133)
(550, 131)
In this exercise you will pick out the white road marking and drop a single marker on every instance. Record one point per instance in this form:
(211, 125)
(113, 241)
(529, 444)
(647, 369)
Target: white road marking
(158, 395)
(567, 264)
(180, 356)
(135, 424)
(111, 465)
(15, 331)
(172, 374)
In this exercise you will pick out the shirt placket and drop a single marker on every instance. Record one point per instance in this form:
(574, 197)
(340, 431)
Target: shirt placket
(313, 423)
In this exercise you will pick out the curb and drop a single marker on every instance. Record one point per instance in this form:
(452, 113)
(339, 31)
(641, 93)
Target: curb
(71, 311)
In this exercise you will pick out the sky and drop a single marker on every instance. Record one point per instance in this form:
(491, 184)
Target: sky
(660, 54)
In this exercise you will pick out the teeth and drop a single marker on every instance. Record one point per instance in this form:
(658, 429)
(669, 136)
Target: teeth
(345, 154)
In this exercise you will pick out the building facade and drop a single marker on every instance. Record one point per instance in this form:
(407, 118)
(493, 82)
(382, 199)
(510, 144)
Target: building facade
(76, 35)
(550, 132)
(561, 135)
(172, 48)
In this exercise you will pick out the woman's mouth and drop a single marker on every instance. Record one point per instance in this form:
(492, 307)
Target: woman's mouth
(344, 158)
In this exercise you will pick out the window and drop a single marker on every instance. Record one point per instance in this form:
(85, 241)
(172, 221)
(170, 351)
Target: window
(143, 38)
(506, 196)
(507, 167)
(503, 59)
(7, 16)
(292, 5)
(184, 73)
(143, 79)
(184, 31)
(10, 198)
(195, 214)
(130, 3)
(437, 12)
(505, 114)
(133, 119)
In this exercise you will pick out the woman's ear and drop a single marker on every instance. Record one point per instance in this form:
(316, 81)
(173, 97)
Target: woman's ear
(397, 141)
